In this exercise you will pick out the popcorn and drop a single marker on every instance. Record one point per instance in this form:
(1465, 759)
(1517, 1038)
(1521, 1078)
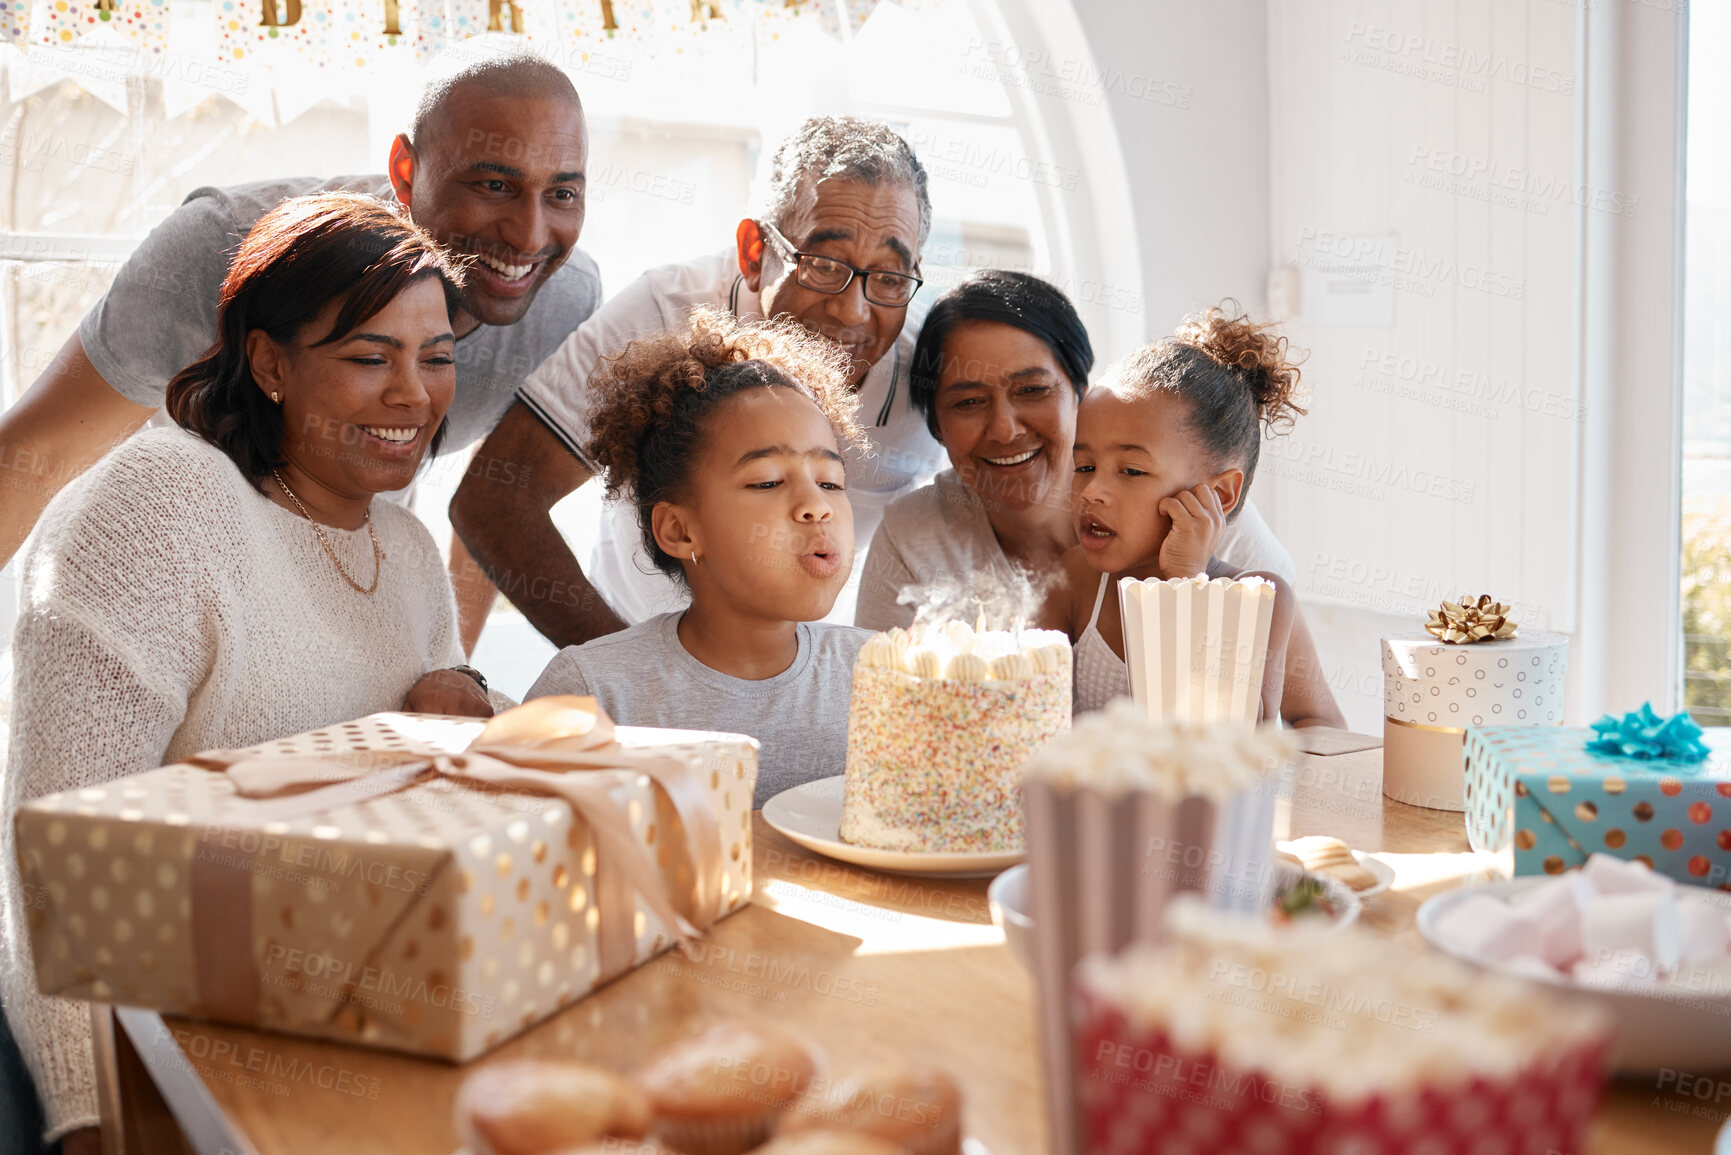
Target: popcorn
(1121, 749)
(1304, 1041)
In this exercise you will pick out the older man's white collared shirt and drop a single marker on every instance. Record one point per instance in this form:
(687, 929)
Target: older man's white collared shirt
(900, 454)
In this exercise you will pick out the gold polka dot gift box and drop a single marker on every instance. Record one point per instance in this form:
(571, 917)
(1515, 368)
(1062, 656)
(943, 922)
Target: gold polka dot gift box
(1469, 666)
(1640, 787)
(412, 882)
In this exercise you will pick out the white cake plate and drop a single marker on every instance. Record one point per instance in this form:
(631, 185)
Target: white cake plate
(811, 815)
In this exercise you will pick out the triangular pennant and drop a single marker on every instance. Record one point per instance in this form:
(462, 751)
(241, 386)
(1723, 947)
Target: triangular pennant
(139, 24)
(14, 22)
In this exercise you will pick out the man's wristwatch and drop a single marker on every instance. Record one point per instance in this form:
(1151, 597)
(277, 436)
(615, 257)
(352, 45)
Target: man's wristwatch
(470, 671)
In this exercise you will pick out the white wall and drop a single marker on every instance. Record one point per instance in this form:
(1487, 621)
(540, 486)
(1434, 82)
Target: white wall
(1420, 472)
(1506, 420)
(1187, 84)
(1485, 435)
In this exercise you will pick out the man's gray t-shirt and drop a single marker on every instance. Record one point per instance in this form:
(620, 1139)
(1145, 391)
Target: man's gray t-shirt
(159, 315)
(644, 676)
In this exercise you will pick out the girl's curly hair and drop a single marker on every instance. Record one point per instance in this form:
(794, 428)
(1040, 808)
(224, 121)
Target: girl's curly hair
(1238, 376)
(653, 398)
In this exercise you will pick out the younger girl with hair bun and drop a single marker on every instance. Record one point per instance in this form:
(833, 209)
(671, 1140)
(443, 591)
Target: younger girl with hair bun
(728, 440)
(1165, 452)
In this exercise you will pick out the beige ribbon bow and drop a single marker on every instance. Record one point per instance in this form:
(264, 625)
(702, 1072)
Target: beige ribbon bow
(550, 747)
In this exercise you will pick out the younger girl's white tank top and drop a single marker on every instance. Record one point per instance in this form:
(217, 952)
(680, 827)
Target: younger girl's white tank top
(1100, 674)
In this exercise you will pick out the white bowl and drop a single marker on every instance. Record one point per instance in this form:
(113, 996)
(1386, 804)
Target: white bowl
(1011, 903)
(1656, 1027)
(1009, 900)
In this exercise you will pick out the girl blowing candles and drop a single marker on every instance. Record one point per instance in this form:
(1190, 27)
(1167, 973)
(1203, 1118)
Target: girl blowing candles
(727, 438)
(1165, 452)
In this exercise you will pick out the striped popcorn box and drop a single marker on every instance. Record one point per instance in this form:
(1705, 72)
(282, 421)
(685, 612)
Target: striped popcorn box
(1196, 647)
(1123, 815)
(1235, 1036)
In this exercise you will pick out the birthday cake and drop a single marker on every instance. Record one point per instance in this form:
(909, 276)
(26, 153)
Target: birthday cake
(942, 721)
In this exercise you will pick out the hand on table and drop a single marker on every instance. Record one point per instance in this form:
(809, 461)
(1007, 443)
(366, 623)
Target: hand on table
(448, 692)
(1197, 523)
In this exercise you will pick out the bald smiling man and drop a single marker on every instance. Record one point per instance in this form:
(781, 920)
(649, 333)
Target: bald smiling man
(493, 166)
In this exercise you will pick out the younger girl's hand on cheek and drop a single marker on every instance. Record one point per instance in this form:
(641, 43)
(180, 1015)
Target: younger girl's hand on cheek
(1197, 523)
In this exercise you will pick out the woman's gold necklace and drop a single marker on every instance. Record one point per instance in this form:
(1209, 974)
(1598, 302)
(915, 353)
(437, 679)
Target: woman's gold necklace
(378, 554)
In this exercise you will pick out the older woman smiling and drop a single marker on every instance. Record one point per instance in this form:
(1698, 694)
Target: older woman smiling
(233, 580)
(1001, 365)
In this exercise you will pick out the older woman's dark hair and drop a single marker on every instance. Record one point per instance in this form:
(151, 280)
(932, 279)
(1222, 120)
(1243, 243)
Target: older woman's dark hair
(299, 258)
(1009, 298)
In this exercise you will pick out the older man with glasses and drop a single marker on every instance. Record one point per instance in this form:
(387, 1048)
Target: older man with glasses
(837, 248)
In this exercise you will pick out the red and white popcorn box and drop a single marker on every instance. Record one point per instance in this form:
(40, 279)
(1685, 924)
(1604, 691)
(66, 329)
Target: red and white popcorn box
(1245, 1040)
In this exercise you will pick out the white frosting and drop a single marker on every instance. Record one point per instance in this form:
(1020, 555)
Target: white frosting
(1121, 748)
(955, 652)
(1350, 1013)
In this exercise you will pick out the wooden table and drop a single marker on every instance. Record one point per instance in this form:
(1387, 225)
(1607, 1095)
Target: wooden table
(871, 967)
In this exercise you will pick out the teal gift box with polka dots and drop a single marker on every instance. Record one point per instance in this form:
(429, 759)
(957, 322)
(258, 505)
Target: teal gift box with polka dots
(1538, 794)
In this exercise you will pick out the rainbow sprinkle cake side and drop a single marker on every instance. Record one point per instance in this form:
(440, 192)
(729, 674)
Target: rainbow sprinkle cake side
(934, 764)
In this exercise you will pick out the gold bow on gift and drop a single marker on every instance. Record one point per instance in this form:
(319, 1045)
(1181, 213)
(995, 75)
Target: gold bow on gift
(1470, 620)
(559, 747)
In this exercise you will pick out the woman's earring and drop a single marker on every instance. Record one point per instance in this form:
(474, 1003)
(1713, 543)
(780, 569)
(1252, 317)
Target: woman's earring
(693, 557)
(276, 396)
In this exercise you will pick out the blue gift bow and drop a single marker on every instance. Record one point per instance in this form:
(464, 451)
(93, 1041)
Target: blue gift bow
(1643, 734)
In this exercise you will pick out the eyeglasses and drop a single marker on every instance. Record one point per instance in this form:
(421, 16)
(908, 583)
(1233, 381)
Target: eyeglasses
(828, 275)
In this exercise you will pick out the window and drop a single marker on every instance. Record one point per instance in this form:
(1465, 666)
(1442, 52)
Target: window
(1707, 374)
(678, 137)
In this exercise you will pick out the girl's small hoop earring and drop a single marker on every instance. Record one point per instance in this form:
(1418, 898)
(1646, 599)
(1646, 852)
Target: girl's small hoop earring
(276, 397)
(694, 560)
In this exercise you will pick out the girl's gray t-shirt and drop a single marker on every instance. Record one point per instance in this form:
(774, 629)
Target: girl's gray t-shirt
(644, 676)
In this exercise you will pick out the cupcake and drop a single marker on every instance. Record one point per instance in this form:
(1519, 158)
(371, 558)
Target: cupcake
(828, 1141)
(533, 1106)
(918, 1107)
(722, 1092)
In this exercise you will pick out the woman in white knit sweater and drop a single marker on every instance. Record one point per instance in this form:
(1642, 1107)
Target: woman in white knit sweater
(232, 580)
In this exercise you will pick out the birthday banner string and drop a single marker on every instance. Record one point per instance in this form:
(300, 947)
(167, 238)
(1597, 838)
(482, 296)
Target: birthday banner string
(354, 36)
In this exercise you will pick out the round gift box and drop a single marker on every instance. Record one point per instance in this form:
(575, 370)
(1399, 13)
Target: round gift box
(1432, 691)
